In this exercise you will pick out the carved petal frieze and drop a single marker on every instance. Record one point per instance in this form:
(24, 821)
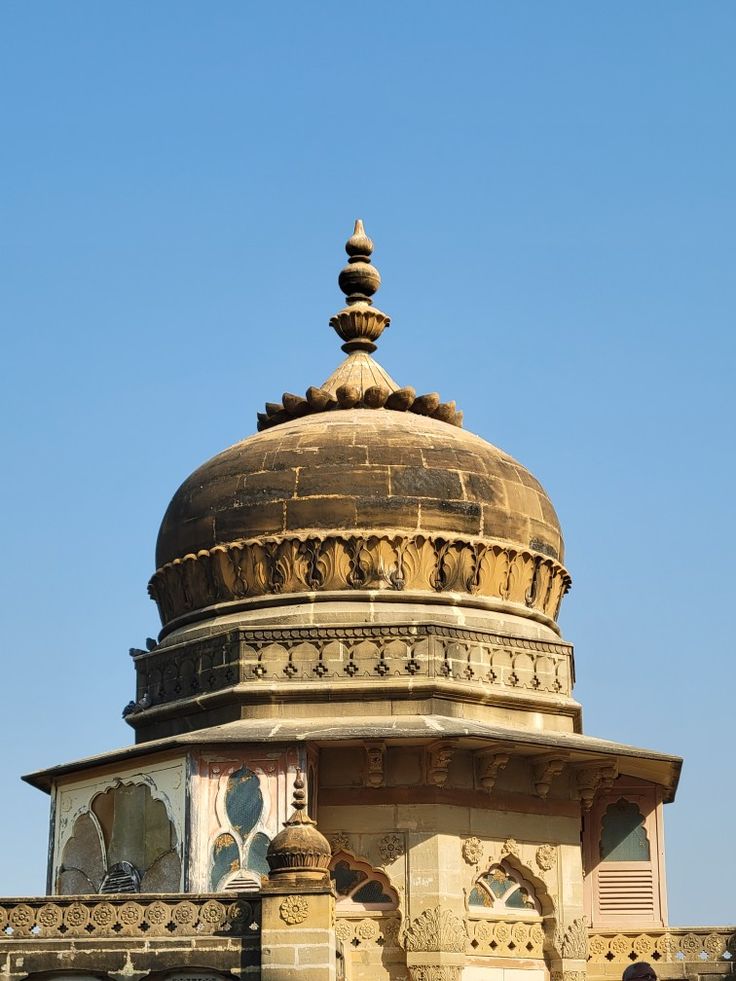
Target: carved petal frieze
(260, 567)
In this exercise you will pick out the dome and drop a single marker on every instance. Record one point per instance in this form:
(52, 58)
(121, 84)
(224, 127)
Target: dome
(359, 470)
(360, 485)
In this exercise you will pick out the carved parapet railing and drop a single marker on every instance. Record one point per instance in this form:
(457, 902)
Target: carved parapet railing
(506, 938)
(673, 946)
(254, 568)
(366, 932)
(376, 653)
(119, 917)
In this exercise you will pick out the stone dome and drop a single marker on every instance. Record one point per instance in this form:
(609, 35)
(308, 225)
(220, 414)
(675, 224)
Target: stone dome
(358, 498)
(363, 471)
(359, 486)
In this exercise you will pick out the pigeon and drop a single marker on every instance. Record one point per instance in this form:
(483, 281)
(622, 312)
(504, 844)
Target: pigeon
(129, 709)
(144, 702)
(151, 644)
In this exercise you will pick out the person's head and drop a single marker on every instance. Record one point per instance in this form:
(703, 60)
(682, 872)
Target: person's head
(640, 971)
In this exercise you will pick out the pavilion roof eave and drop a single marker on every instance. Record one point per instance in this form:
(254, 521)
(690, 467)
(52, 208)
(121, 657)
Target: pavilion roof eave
(660, 768)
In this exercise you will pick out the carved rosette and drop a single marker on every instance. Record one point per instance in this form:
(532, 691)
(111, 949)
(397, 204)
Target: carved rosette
(294, 909)
(472, 850)
(339, 842)
(390, 847)
(261, 567)
(545, 857)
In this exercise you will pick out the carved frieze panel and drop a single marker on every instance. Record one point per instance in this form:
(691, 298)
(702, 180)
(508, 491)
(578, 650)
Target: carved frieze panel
(332, 655)
(387, 562)
(146, 917)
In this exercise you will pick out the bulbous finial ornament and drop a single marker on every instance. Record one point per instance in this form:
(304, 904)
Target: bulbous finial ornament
(359, 324)
(359, 280)
(300, 850)
(359, 244)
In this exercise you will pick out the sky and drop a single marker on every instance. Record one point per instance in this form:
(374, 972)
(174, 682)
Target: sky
(550, 189)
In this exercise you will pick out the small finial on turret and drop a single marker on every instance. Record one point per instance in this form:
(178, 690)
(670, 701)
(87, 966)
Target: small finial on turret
(359, 324)
(299, 801)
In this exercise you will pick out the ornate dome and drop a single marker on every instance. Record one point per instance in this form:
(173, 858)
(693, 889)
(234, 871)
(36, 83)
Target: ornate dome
(358, 485)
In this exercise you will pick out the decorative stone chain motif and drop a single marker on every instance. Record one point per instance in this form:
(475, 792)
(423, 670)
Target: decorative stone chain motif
(175, 917)
(665, 946)
(262, 567)
(376, 652)
(502, 938)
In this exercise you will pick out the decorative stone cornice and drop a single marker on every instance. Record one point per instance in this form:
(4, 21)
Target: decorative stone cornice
(328, 562)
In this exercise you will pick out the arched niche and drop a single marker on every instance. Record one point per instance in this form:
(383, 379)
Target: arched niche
(125, 841)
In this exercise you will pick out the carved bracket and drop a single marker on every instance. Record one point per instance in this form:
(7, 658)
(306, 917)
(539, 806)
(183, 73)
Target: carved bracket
(544, 770)
(490, 763)
(438, 759)
(375, 764)
(591, 779)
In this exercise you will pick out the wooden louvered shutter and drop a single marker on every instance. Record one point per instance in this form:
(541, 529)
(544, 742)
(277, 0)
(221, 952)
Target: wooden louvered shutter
(624, 860)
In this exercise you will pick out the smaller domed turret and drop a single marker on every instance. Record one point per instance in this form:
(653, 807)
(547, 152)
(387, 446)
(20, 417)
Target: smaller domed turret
(300, 850)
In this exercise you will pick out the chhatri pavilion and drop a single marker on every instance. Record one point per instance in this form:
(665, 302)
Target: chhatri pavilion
(357, 750)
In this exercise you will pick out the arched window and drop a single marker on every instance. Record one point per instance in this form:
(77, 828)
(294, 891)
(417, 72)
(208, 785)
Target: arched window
(238, 857)
(359, 887)
(623, 836)
(502, 892)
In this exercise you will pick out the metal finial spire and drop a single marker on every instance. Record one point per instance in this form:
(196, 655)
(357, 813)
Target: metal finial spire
(359, 324)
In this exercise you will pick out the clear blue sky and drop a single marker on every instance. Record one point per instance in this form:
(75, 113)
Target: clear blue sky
(551, 190)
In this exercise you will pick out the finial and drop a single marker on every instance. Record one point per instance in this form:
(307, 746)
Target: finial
(359, 324)
(299, 803)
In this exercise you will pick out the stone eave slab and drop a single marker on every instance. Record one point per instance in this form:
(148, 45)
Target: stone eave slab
(659, 768)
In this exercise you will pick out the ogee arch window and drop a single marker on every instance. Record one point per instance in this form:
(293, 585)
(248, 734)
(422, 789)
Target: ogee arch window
(623, 835)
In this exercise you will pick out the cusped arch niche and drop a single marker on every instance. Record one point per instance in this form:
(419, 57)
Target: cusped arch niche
(124, 842)
(367, 910)
(360, 888)
(510, 912)
(502, 891)
(238, 847)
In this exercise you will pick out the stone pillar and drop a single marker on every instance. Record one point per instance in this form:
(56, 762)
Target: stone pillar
(298, 931)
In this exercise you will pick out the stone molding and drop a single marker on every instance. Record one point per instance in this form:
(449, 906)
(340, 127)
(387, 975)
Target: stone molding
(334, 562)
(678, 946)
(375, 653)
(116, 917)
